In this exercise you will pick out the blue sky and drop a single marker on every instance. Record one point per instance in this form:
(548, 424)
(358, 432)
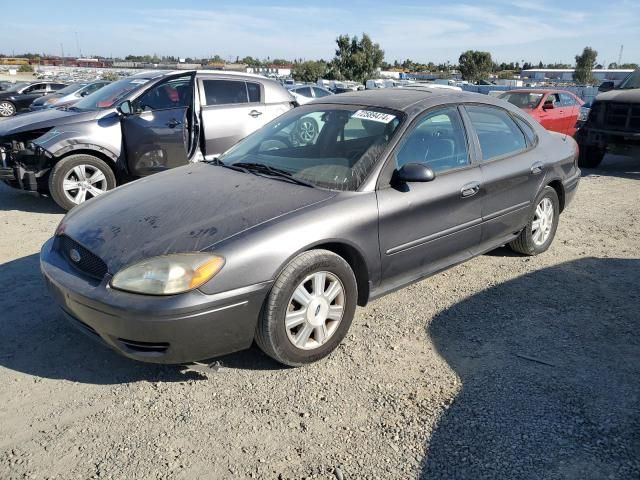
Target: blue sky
(516, 30)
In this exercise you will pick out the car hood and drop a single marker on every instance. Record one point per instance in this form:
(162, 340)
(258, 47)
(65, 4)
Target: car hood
(183, 210)
(628, 96)
(42, 119)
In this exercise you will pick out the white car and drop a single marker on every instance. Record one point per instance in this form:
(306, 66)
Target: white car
(306, 93)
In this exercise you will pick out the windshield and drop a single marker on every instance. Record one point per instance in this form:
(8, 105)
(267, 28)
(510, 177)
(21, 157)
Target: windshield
(110, 95)
(632, 81)
(523, 99)
(333, 147)
(70, 89)
(16, 86)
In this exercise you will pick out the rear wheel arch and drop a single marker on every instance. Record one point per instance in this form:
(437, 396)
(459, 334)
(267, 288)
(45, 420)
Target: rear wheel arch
(559, 188)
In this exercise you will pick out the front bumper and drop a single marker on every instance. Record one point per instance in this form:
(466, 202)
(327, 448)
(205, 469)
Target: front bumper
(160, 329)
(599, 137)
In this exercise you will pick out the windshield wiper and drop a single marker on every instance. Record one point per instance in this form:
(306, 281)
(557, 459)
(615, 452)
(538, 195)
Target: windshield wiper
(260, 168)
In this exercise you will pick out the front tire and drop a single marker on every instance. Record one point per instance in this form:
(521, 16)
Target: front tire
(78, 178)
(7, 109)
(309, 310)
(590, 157)
(541, 228)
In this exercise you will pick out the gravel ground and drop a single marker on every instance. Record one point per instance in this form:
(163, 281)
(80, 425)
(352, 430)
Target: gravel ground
(504, 367)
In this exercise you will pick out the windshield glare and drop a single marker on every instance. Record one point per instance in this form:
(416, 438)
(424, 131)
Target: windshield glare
(632, 81)
(70, 89)
(523, 99)
(331, 147)
(109, 95)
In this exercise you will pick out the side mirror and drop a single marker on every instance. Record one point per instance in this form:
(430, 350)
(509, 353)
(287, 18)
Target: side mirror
(413, 172)
(85, 93)
(125, 108)
(548, 106)
(606, 86)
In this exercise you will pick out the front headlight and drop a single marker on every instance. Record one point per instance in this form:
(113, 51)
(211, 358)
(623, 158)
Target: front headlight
(168, 274)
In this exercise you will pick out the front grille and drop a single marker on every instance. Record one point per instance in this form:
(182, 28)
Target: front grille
(83, 260)
(616, 116)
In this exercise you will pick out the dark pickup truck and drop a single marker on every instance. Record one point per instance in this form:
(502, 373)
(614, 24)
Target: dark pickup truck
(613, 124)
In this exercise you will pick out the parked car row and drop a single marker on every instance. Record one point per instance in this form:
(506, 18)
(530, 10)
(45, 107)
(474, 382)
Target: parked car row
(18, 97)
(277, 240)
(131, 128)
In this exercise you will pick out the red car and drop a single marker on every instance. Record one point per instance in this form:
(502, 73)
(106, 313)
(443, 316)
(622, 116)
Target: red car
(556, 110)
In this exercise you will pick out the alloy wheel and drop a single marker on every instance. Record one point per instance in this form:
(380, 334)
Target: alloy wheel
(315, 310)
(83, 182)
(542, 221)
(307, 131)
(7, 109)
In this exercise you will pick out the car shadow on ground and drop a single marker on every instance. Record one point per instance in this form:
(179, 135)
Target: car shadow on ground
(616, 166)
(36, 339)
(550, 372)
(13, 199)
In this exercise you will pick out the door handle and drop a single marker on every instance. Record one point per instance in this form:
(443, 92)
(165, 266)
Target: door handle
(536, 168)
(255, 113)
(470, 189)
(173, 123)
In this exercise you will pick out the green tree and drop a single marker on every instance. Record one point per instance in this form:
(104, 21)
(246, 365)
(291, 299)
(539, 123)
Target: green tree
(309, 71)
(475, 65)
(356, 59)
(25, 68)
(584, 66)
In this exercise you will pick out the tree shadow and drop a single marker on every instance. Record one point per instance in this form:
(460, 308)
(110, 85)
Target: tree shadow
(616, 166)
(550, 370)
(14, 199)
(37, 340)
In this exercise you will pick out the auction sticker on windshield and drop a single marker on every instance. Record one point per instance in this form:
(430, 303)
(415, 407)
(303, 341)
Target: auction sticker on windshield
(373, 116)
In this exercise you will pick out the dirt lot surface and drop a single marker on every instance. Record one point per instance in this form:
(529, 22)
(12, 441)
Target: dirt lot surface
(502, 368)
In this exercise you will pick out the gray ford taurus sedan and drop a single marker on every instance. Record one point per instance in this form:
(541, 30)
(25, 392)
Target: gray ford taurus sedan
(280, 238)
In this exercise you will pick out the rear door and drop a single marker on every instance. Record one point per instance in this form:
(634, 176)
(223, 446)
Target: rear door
(511, 169)
(424, 227)
(231, 110)
(156, 134)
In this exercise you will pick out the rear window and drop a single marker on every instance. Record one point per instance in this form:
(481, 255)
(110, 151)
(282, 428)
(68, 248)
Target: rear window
(497, 132)
(230, 92)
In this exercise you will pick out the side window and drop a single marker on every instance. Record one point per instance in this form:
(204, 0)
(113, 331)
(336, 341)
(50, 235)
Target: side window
(438, 140)
(174, 93)
(567, 100)
(254, 92)
(38, 87)
(56, 86)
(497, 132)
(320, 92)
(92, 88)
(526, 128)
(225, 92)
(304, 91)
(553, 99)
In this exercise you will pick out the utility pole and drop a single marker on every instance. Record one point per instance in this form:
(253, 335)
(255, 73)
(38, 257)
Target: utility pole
(62, 50)
(620, 56)
(78, 45)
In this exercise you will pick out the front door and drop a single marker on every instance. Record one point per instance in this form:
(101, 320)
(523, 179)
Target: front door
(156, 135)
(424, 227)
(511, 170)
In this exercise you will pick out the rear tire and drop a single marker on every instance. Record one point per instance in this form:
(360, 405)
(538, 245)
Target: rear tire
(78, 178)
(541, 228)
(590, 157)
(309, 309)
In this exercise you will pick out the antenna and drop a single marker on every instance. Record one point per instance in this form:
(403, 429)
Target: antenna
(620, 56)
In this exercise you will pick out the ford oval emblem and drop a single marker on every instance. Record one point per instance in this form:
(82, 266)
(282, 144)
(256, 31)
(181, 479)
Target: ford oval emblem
(74, 255)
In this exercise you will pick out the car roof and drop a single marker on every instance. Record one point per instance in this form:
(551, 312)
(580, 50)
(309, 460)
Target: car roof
(538, 90)
(399, 98)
